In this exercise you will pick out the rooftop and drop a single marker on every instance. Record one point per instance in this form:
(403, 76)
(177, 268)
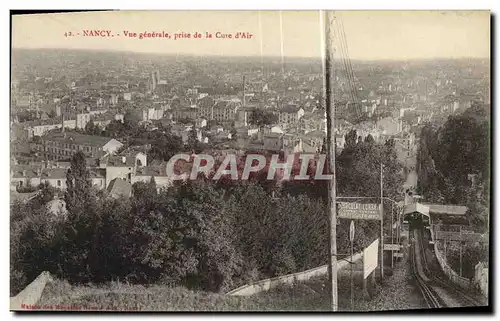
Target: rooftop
(42, 122)
(118, 187)
(316, 134)
(118, 161)
(21, 197)
(156, 170)
(273, 135)
(446, 209)
(78, 139)
(290, 109)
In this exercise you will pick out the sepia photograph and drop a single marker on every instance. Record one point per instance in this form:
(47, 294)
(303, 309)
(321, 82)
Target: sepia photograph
(250, 161)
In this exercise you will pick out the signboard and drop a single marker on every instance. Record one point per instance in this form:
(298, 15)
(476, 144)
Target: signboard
(391, 247)
(370, 259)
(358, 211)
(398, 254)
(351, 231)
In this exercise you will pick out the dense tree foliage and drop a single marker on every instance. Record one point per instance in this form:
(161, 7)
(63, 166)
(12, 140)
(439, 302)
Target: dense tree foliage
(260, 117)
(92, 129)
(192, 142)
(207, 234)
(454, 163)
(472, 253)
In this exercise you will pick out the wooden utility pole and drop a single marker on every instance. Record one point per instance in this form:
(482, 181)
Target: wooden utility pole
(282, 44)
(351, 263)
(381, 222)
(330, 117)
(392, 236)
(460, 250)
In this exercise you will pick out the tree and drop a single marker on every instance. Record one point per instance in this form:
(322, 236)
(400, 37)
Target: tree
(472, 254)
(185, 237)
(450, 155)
(78, 184)
(234, 133)
(211, 124)
(369, 139)
(463, 148)
(164, 145)
(131, 119)
(46, 194)
(192, 142)
(33, 245)
(142, 191)
(78, 244)
(115, 129)
(425, 164)
(358, 174)
(261, 118)
(152, 184)
(92, 129)
(111, 259)
(184, 120)
(351, 139)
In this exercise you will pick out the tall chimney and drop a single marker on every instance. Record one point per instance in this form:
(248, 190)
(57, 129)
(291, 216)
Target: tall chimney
(62, 120)
(244, 91)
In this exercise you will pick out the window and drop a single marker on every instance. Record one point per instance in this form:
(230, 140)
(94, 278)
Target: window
(58, 183)
(20, 183)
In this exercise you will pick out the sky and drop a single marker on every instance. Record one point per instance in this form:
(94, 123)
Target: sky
(370, 35)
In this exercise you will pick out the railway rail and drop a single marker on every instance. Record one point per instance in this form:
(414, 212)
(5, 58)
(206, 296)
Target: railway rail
(430, 296)
(429, 282)
(458, 291)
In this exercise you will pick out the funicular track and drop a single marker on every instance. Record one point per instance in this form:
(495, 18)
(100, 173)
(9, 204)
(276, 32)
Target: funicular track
(417, 267)
(437, 292)
(442, 281)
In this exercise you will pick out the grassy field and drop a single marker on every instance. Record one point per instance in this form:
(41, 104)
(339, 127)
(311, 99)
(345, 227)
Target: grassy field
(313, 295)
(59, 295)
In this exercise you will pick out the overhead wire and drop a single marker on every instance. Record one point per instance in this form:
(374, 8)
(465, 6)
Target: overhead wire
(350, 78)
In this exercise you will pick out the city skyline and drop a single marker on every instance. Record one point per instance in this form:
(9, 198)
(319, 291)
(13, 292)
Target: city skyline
(370, 35)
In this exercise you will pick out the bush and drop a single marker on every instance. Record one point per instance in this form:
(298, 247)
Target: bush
(472, 254)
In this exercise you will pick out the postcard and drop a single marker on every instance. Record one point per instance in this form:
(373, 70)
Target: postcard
(250, 161)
